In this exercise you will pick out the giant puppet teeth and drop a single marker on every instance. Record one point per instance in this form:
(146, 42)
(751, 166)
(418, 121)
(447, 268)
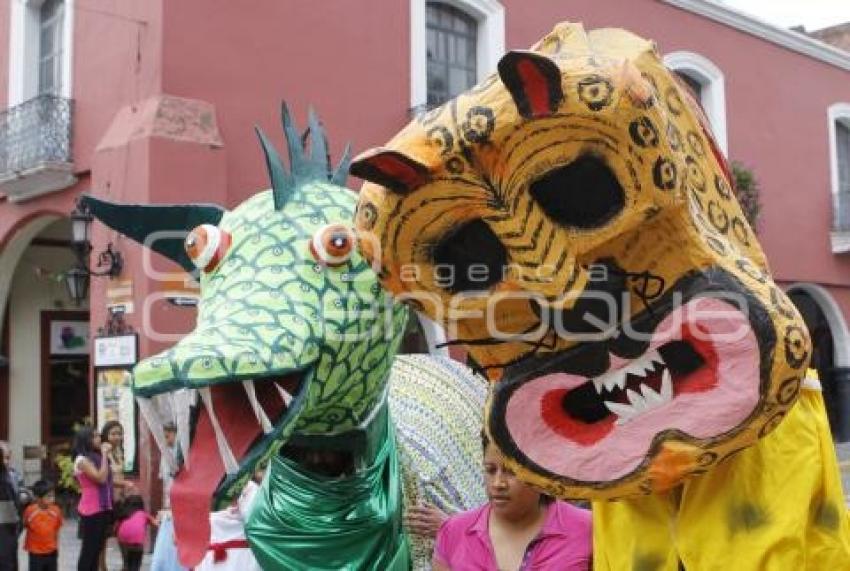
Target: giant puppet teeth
(265, 424)
(227, 457)
(183, 401)
(638, 368)
(644, 401)
(151, 416)
(284, 394)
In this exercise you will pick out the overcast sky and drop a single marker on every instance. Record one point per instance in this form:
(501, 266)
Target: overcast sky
(813, 14)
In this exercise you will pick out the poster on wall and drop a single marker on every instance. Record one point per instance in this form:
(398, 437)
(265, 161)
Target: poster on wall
(69, 337)
(115, 402)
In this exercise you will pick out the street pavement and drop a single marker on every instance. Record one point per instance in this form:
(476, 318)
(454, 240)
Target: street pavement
(69, 550)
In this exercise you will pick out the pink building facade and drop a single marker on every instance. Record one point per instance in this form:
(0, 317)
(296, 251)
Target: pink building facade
(155, 102)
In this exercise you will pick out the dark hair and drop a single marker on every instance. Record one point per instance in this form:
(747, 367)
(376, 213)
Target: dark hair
(82, 442)
(107, 428)
(545, 498)
(169, 427)
(41, 488)
(129, 506)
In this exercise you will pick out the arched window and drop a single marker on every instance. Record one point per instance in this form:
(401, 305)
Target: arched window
(454, 45)
(839, 154)
(707, 84)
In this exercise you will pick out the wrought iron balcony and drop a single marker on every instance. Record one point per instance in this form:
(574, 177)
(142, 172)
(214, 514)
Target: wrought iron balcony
(35, 147)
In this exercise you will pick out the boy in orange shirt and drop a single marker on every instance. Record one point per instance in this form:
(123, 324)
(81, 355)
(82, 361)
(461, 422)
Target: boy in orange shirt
(42, 520)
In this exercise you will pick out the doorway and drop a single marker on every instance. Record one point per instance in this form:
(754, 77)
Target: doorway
(65, 396)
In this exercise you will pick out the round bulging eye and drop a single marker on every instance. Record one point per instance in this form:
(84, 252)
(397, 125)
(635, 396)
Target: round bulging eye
(332, 245)
(206, 245)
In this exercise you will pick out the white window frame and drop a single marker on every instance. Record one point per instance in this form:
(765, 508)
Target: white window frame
(713, 83)
(25, 25)
(490, 16)
(835, 113)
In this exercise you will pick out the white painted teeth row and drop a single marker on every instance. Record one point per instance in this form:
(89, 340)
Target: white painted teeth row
(181, 404)
(642, 402)
(639, 368)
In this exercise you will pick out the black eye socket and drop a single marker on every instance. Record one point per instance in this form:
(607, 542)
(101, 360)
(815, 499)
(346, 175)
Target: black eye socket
(582, 194)
(470, 259)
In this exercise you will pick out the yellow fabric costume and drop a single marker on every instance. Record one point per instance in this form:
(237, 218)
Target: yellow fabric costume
(777, 505)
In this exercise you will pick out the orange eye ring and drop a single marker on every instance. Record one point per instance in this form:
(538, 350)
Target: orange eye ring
(332, 245)
(206, 245)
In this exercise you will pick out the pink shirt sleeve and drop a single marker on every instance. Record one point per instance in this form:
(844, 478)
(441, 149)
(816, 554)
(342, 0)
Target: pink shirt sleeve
(447, 539)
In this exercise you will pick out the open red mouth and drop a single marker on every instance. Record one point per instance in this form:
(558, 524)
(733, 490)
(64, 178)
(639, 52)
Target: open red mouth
(699, 376)
(222, 436)
(587, 413)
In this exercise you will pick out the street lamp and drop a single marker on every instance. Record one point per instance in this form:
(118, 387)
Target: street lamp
(77, 278)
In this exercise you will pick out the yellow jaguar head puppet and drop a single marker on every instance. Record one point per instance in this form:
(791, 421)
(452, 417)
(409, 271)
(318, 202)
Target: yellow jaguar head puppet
(571, 222)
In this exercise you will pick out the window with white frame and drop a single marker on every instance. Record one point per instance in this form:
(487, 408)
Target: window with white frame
(454, 45)
(50, 47)
(452, 51)
(40, 42)
(707, 83)
(839, 150)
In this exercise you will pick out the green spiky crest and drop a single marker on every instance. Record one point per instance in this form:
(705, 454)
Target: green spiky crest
(304, 167)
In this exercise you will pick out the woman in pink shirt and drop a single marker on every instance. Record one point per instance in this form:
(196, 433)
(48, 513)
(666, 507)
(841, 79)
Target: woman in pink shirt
(519, 529)
(91, 467)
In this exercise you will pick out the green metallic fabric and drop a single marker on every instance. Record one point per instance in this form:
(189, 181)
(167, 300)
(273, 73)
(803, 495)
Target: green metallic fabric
(305, 521)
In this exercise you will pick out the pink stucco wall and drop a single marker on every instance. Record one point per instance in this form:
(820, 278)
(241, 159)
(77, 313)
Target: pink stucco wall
(348, 60)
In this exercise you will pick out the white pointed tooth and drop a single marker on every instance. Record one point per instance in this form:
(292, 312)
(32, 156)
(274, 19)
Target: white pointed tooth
(621, 378)
(623, 411)
(598, 384)
(637, 401)
(652, 398)
(265, 424)
(666, 386)
(284, 394)
(151, 416)
(231, 466)
(183, 400)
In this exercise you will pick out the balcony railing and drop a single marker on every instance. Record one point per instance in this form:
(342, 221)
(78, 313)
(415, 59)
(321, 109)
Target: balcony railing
(35, 147)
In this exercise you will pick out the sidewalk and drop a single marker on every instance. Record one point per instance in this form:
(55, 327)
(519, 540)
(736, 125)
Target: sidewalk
(69, 549)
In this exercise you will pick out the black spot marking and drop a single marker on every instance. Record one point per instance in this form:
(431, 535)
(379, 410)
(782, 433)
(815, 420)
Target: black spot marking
(718, 217)
(366, 215)
(664, 174)
(643, 132)
(706, 459)
(716, 245)
(595, 91)
(788, 391)
(674, 101)
(750, 270)
(739, 229)
(746, 516)
(696, 178)
(478, 125)
(674, 137)
(443, 138)
(796, 346)
(696, 144)
(455, 165)
(722, 186)
(781, 303)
